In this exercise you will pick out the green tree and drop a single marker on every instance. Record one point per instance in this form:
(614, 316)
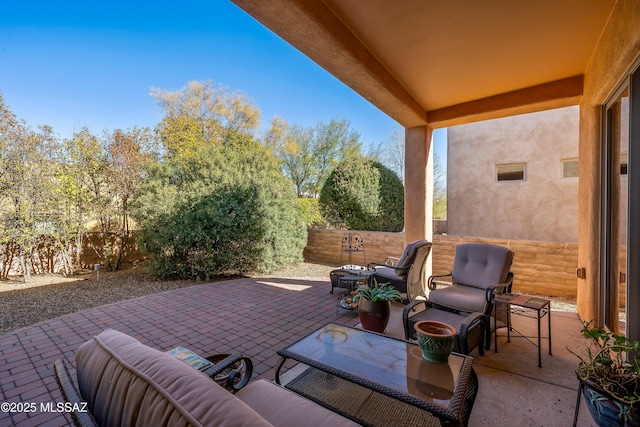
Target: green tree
(226, 206)
(126, 156)
(238, 215)
(333, 142)
(392, 155)
(80, 159)
(309, 154)
(362, 194)
(200, 112)
(293, 145)
(28, 165)
(101, 176)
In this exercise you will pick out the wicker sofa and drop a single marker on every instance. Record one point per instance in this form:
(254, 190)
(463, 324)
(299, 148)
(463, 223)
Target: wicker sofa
(126, 383)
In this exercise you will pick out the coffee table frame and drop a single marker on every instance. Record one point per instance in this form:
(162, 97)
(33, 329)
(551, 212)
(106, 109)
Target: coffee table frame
(456, 413)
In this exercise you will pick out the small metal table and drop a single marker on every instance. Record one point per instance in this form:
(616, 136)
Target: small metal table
(526, 306)
(349, 276)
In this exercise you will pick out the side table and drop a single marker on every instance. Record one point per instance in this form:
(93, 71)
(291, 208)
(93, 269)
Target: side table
(349, 276)
(526, 306)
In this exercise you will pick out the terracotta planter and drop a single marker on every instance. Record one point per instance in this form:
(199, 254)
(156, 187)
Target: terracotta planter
(374, 316)
(436, 340)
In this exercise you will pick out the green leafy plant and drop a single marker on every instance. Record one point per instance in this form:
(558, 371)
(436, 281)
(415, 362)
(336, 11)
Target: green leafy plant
(225, 209)
(362, 194)
(607, 366)
(378, 292)
(310, 208)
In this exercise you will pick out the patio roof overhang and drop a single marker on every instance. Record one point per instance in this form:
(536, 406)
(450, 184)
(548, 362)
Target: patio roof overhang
(437, 63)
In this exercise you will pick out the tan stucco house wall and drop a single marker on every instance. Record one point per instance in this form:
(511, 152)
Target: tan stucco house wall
(543, 206)
(618, 49)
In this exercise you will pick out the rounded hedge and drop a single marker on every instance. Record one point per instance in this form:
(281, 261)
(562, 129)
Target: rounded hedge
(228, 211)
(362, 194)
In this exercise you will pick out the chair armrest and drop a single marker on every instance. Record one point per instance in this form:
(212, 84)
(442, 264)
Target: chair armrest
(468, 321)
(431, 284)
(407, 310)
(374, 264)
(70, 394)
(391, 261)
(502, 287)
(236, 379)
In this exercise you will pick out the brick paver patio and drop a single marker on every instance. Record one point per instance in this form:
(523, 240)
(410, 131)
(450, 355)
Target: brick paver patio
(255, 317)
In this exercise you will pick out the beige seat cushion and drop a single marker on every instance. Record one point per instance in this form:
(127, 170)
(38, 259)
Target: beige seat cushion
(283, 408)
(129, 384)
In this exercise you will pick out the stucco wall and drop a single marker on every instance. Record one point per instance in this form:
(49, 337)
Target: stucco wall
(546, 268)
(617, 50)
(542, 207)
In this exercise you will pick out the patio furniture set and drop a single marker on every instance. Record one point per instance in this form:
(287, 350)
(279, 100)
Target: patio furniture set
(475, 297)
(346, 376)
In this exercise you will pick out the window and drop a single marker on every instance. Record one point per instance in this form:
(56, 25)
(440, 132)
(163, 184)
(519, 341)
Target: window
(570, 168)
(510, 172)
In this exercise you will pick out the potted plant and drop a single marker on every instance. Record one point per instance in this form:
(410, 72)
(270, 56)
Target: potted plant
(610, 377)
(435, 339)
(374, 305)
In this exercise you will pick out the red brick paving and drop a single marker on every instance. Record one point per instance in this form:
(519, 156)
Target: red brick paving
(249, 316)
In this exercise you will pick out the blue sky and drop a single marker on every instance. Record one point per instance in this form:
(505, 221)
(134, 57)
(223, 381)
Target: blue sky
(73, 63)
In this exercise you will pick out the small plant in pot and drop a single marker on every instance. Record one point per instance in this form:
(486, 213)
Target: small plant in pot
(610, 378)
(374, 305)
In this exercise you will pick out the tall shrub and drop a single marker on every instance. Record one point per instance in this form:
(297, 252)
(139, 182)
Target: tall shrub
(227, 210)
(362, 194)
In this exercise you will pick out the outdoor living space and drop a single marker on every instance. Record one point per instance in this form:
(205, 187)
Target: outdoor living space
(260, 315)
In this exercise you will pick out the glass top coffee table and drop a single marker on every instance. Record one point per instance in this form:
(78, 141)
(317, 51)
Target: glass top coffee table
(347, 364)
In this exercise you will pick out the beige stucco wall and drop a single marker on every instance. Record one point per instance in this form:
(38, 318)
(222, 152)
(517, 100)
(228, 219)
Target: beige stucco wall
(617, 50)
(542, 207)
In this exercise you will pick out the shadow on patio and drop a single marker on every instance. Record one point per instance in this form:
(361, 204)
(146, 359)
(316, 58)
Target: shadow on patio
(260, 316)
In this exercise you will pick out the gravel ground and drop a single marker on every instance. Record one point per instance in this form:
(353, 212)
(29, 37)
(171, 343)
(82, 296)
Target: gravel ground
(50, 296)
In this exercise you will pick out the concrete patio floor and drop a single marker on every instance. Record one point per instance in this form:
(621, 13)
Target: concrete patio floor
(257, 317)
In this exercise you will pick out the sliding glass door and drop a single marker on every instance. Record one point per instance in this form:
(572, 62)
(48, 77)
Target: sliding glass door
(620, 279)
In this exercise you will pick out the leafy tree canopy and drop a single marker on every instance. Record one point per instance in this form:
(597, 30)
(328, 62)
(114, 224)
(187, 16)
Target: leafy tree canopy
(309, 154)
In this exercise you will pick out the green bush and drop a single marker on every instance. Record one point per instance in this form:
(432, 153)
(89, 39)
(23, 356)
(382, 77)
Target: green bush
(310, 208)
(227, 210)
(361, 194)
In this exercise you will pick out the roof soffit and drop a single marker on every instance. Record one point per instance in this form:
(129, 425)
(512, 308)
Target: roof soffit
(408, 57)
